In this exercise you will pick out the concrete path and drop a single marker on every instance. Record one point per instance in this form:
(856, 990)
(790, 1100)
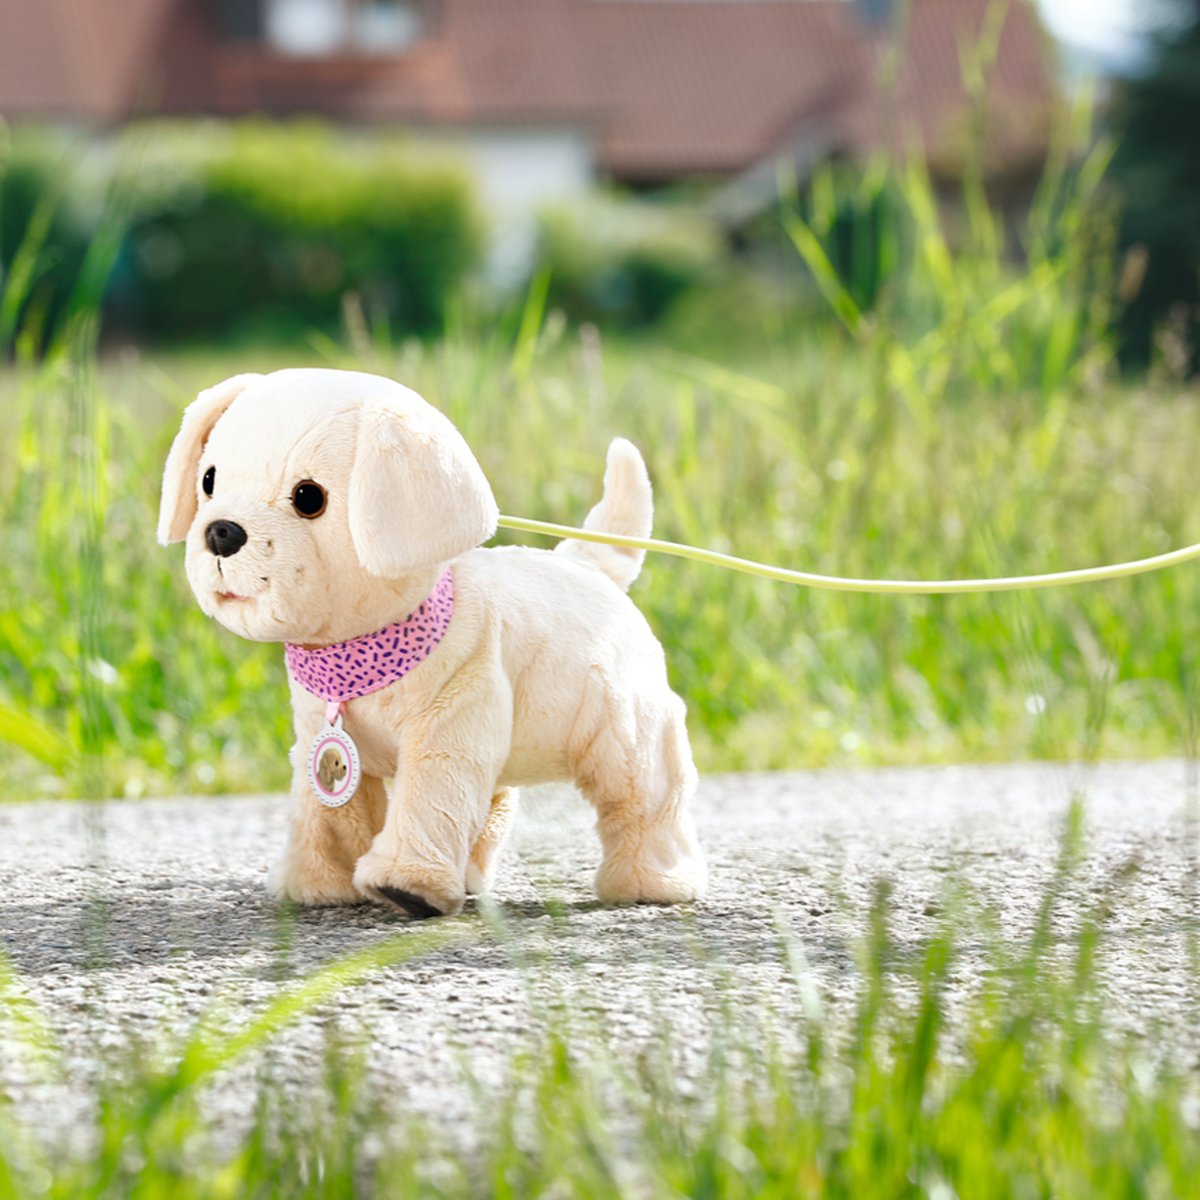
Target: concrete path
(126, 917)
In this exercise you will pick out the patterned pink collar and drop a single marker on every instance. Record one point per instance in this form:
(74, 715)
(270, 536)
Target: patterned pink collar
(347, 670)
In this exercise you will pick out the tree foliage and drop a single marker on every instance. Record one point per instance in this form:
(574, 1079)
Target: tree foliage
(1156, 115)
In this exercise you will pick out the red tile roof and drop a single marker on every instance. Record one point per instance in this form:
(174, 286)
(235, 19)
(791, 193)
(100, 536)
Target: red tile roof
(712, 87)
(76, 59)
(668, 87)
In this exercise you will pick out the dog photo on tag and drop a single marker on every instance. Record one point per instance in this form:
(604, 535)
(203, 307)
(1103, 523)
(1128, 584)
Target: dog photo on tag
(331, 769)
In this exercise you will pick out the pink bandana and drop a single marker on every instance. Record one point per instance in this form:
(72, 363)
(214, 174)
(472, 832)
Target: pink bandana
(365, 664)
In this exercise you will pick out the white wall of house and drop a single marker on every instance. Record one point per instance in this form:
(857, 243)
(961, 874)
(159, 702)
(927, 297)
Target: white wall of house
(517, 172)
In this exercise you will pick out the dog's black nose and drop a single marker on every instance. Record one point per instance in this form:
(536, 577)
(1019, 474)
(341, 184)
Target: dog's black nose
(224, 538)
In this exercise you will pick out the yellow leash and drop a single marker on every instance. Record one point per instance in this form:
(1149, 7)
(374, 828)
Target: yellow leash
(832, 583)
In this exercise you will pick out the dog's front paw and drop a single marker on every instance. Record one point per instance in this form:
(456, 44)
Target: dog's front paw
(316, 885)
(414, 889)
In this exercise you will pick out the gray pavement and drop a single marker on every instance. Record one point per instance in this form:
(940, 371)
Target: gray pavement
(125, 918)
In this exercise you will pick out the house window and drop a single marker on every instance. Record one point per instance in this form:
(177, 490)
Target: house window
(239, 20)
(385, 25)
(305, 28)
(312, 28)
(876, 12)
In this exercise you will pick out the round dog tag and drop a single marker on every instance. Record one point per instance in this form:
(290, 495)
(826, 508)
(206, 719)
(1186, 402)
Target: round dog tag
(333, 768)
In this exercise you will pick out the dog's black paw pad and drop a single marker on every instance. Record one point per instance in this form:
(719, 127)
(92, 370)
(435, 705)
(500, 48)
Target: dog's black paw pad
(412, 904)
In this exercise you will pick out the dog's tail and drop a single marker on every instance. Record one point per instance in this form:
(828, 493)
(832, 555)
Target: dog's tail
(627, 507)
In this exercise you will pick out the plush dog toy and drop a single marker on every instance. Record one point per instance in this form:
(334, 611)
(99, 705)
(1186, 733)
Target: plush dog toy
(340, 513)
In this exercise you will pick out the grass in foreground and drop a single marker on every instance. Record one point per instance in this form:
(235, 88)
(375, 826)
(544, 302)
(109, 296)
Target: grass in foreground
(1029, 1093)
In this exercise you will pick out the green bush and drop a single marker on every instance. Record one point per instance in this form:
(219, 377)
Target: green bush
(624, 260)
(44, 232)
(273, 224)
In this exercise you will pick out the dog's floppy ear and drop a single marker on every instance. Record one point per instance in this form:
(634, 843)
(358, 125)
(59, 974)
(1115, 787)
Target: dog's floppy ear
(417, 495)
(178, 507)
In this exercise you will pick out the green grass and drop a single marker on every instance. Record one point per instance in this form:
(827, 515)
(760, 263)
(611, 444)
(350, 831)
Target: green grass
(794, 456)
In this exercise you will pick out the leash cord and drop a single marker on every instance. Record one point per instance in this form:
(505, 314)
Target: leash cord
(832, 583)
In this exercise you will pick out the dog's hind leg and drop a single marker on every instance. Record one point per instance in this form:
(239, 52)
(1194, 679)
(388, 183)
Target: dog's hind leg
(485, 856)
(639, 775)
(317, 864)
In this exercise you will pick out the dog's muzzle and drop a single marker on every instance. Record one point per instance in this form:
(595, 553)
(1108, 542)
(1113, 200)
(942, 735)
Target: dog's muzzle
(224, 538)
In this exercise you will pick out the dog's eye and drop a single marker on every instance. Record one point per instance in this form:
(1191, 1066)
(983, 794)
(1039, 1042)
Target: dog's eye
(308, 498)
(209, 481)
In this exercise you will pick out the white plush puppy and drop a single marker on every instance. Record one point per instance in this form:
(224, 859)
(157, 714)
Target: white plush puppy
(340, 513)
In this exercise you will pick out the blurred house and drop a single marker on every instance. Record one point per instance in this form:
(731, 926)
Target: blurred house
(544, 96)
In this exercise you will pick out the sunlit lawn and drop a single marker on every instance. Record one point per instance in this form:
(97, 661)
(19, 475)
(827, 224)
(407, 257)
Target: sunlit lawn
(790, 457)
